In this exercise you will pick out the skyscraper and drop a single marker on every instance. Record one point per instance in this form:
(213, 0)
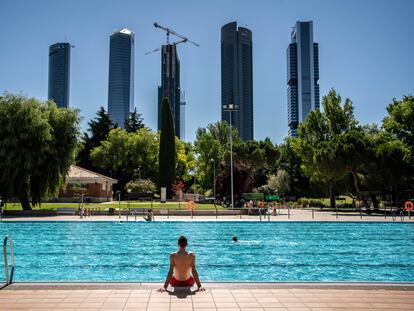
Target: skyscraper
(237, 78)
(182, 116)
(121, 76)
(170, 84)
(302, 75)
(59, 73)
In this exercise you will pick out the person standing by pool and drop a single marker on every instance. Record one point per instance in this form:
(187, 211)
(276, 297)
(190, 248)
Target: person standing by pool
(182, 270)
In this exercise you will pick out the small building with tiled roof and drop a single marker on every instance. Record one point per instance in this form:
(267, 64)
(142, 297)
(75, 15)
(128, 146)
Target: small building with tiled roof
(95, 187)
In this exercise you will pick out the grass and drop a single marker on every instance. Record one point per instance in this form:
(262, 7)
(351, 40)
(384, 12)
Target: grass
(103, 206)
(144, 205)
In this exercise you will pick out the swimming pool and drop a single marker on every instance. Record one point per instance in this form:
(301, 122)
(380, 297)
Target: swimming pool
(268, 251)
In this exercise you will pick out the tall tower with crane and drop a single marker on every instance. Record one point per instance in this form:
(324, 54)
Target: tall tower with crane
(170, 76)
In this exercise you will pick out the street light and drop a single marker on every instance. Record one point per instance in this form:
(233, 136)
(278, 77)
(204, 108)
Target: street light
(230, 108)
(214, 178)
(106, 188)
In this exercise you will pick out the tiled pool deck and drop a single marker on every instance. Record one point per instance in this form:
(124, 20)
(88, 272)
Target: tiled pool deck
(225, 297)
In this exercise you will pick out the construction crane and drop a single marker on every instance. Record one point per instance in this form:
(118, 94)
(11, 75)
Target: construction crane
(172, 32)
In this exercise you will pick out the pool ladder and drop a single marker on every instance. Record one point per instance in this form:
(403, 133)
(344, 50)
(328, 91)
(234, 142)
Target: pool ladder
(6, 263)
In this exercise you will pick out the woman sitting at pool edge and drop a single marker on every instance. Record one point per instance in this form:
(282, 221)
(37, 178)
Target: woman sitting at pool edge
(182, 270)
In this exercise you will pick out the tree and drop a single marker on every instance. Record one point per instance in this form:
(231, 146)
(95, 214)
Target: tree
(400, 125)
(392, 158)
(210, 146)
(79, 190)
(388, 167)
(400, 120)
(134, 122)
(38, 145)
(291, 162)
(128, 155)
(355, 150)
(98, 131)
(167, 155)
(318, 143)
(279, 182)
(185, 159)
(141, 186)
(248, 158)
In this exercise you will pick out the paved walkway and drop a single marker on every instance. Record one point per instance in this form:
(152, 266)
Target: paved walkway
(284, 215)
(272, 298)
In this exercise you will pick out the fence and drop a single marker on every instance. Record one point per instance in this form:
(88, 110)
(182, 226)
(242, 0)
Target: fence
(260, 214)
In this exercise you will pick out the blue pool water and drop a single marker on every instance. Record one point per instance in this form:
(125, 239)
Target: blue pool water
(275, 251)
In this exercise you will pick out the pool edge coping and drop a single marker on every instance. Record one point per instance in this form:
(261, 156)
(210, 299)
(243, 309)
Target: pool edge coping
(5, 220)
(406, 286)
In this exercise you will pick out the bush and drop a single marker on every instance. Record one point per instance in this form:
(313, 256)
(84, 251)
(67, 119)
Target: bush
(310, 202)
(141, 186)
(303, 201)
(315, 202)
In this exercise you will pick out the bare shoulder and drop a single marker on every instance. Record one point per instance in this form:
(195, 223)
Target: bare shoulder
(172, 255)
(192, 254)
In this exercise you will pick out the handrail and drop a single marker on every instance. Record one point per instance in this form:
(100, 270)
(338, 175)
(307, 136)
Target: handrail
(6, 263)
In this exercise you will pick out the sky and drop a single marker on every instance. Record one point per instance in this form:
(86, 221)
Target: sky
(366, 52)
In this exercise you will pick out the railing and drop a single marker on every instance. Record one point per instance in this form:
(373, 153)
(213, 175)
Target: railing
(262, 213)
(6, 263)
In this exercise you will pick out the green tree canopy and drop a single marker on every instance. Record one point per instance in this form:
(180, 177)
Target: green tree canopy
(185, 159)
(127, 154)
(38, 144)
(141, 186)
(291, 162)
(134, 122)
(279, 182)
(211, 145)
(318, 143)
(400, 120)
(97, 132)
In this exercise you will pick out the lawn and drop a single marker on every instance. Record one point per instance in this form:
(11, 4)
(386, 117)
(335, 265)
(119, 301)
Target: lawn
(115, 204)
(140, 204)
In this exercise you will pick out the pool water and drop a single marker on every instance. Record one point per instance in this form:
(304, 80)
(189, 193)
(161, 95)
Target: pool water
(268, 251)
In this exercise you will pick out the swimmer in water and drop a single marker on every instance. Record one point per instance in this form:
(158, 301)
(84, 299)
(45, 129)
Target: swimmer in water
(150, 215)
(235, 239)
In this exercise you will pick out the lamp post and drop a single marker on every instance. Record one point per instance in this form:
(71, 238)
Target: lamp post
(106, 188)
(214, 178)
(230, 108)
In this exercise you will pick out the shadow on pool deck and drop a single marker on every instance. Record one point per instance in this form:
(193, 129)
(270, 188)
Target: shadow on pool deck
(182, 292)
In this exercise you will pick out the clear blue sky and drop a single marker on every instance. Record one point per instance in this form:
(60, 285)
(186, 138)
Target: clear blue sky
(366, 52)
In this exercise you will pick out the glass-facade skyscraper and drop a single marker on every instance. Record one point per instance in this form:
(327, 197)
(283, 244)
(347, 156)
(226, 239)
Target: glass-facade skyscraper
(170, 85)
(59, 73)
(182, 116)
(237, 78)
(302, 75)
(121, 76)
